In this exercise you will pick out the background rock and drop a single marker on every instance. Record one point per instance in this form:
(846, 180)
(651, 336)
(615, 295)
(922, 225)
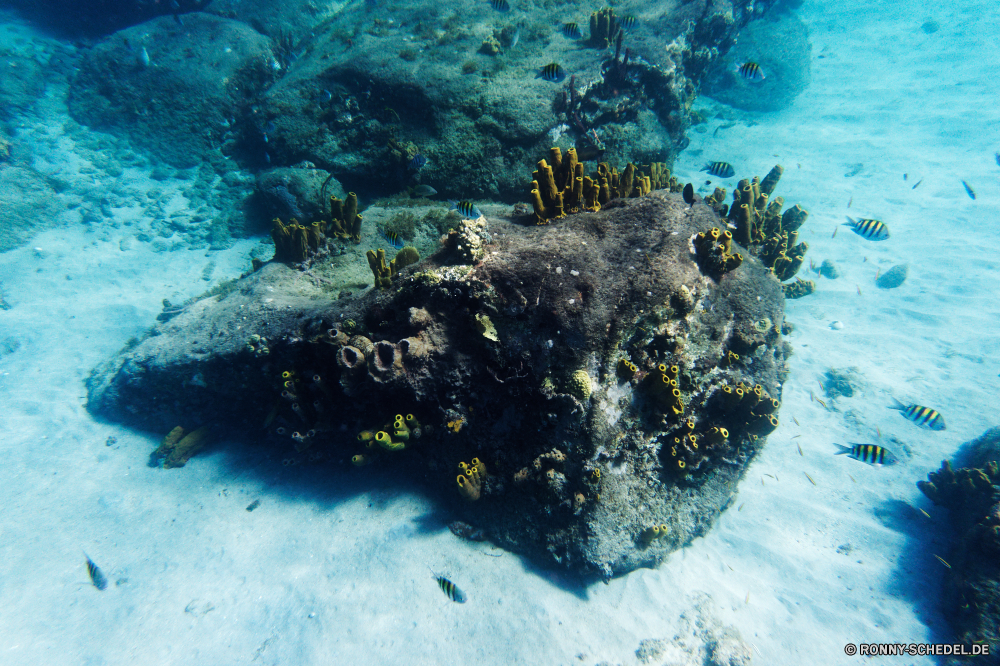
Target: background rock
(200, 76)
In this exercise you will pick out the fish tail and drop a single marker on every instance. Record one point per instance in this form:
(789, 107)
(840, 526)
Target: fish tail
(843, 449)
(900, 407)
(850, 221)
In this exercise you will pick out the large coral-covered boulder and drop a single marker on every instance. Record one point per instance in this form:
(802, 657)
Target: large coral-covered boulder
(174, 89)
(585, 384)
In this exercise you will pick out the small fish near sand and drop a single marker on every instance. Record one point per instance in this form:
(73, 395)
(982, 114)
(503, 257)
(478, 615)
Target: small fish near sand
(925, 417)
(720, 169)
(873, 230)
(500, 5)
(96, 575)
(969, 190)
(553, 73)
(750, 71)
(451, 590)
(571, 31)
(466, 209)
(871, 454)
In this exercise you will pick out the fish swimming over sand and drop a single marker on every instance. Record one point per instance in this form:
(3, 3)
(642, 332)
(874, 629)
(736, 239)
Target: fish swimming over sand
(867, 453)
(872, 230)
(553, 72)
(720, 169)
(451, 590)
(750, 71)
(572, 31)
(969, 190)
(96, 576)
(466, 209)
(925, 417)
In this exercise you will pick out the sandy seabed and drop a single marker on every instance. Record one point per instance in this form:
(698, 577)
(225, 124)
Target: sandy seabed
(336, 565)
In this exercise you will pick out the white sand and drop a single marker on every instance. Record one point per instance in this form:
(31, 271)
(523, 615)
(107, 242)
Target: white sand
(334, 566)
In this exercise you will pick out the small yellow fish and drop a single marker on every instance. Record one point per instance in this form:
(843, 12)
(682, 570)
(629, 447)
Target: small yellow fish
(851, 478)
(924, 512)
(796, 422)
(941, 560)
(834, 232)
(800, 450)
(810, 478)
(741, 507)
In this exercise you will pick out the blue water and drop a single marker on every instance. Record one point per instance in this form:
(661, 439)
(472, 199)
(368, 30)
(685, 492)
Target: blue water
(338, 565)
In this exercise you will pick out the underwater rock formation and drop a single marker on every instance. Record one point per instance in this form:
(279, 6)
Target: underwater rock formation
(147, 83)
(606, 384)
(971, 586)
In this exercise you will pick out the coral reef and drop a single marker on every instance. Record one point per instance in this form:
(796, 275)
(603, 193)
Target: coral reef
(971, 585)
(383, 272)
(561, 188)
(345, 219)
(714, 249)
(604, 28)
(470, 479)
(758, 225)
(799, 288)
(177, 448)
(497, 350)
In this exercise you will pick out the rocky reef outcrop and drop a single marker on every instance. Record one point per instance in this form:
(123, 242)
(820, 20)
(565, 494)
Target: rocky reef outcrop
(971, 588)
(362, 89)
(582, 391)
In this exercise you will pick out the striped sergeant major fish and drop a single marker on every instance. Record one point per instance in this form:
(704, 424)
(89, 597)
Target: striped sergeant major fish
(500, 5)
(552, 72)
(720, 169)
(96, 575)
(925, 417)
(466, 209)
(872, 230)
(867, 453)
(451, 590)
(750, 71)
(392, 239)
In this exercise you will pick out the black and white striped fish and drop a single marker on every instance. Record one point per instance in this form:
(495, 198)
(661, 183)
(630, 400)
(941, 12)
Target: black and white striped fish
(750, 71)
(466, 209)
(872, 230)
(925, 417)
(572, 31)
(451, 590)
(500, 5)
(552, 72)
(867, 453)
(96, 575)
(720, 169)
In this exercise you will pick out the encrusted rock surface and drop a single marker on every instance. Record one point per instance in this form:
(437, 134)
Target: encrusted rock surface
(488, 357)
(971, 586)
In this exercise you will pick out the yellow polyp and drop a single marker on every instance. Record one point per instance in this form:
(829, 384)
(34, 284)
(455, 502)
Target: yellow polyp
(385, 441)
(401, 435)
(411, 422)
(366, 436)
(468, 488)
(360, 460)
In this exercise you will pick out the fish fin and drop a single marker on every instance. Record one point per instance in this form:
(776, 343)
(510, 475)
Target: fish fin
(898, 406)
(850, 221)
(843, 449)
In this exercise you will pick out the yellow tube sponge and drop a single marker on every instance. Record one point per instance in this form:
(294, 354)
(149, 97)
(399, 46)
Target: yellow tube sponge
(177, 450)
(386, 442)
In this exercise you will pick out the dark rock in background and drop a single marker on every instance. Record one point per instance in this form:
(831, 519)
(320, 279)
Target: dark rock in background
(779, 43)
(894, 277)
(298, 192)
(180, 104)
(971, 585)
(512, 360)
